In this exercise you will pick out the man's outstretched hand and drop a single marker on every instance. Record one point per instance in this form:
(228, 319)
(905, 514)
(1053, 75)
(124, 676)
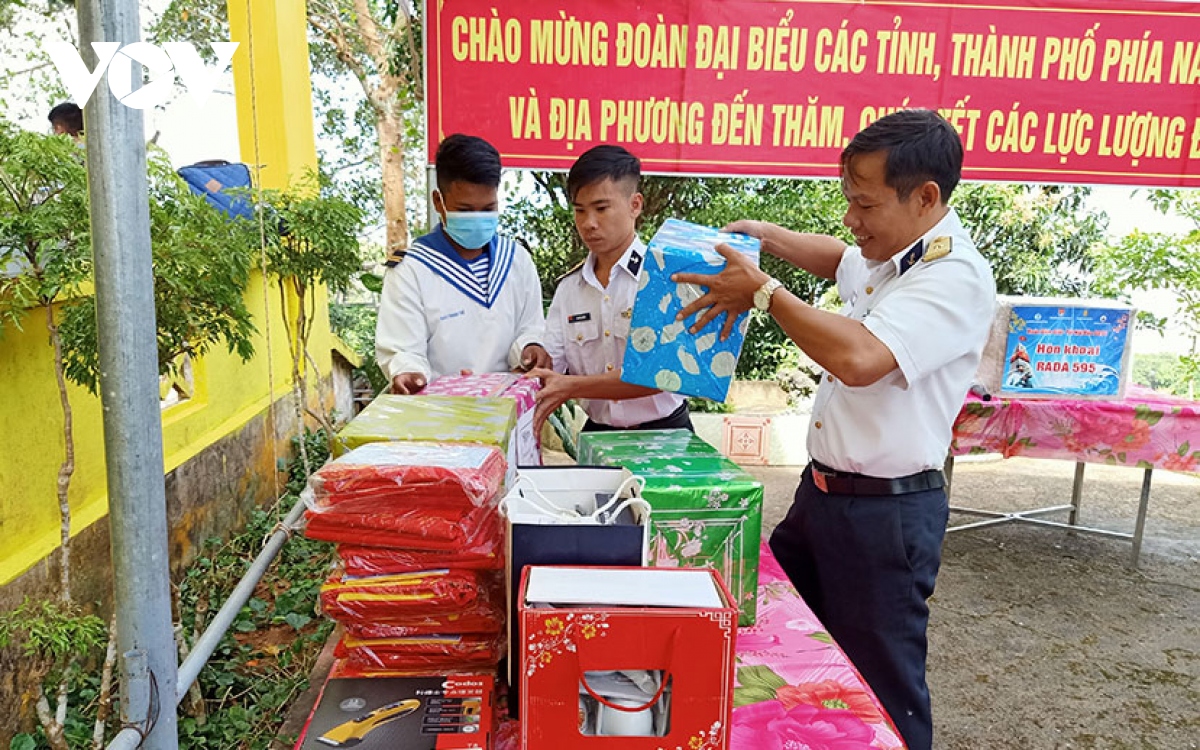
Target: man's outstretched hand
(554, 393)
(731, 291)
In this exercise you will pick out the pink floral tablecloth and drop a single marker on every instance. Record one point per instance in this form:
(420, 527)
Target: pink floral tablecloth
(1146, 429)
(794, 687)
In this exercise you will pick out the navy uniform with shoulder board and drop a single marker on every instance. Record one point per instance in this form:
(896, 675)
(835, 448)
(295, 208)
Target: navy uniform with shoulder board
(587, 328)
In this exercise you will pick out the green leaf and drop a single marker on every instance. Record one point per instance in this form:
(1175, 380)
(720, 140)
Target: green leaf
(760, 676)
(372, 282)
(744, 696)
(1122, 457)
(1153, 417)
(821, 636)
(22, 742)
(1183, 449)
(296, 620)
(1144, 464)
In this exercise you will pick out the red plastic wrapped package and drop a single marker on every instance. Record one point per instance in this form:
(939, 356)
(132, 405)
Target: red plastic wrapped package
(414, 527)
(422, 652)
(396, 597)
(483, 551)
(342, 668)
(397, 475)
(483, 618)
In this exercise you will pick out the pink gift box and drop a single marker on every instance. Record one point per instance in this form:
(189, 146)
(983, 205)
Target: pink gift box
(502, 384)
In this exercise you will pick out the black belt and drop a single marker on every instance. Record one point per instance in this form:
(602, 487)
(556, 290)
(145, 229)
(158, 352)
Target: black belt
(833, 482)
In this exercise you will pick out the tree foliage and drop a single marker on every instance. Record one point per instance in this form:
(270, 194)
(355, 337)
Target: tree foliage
(202, 262)
(45, 249)
(28, 80)
(1038, 238)
(1145, 261)
(317, 240)
(316, 244)
(1165, 372)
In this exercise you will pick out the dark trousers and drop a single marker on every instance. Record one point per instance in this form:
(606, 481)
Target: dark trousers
(866, 565)
(680, 419)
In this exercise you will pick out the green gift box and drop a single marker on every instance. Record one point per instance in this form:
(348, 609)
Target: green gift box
(706, 511)
(609, 448)
(442, 419)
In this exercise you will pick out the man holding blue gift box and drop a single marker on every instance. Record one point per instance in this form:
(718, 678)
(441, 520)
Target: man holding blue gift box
(588, 324)
(862, 541)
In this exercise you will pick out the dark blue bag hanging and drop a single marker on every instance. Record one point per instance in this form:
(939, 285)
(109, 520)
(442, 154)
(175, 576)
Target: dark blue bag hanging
(213, 179)
(569, 515)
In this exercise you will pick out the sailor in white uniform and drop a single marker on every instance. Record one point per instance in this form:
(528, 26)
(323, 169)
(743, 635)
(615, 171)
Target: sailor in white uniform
(588, 323)
(462, 298)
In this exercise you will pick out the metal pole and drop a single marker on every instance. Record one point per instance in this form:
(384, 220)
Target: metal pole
(120, 227)
(430, 185)
(1140, 527)
(208, 642)
(1077, 492)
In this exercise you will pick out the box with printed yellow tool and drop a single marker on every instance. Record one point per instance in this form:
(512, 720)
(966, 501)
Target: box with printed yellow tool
(415, 713)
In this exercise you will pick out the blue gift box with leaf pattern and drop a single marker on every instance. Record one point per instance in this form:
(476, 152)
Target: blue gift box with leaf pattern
(661, 352)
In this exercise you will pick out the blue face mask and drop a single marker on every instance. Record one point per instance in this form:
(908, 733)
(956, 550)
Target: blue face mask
(472, 229)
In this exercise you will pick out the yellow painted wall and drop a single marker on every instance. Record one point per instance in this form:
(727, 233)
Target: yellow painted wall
(274, 104)
(228, 395)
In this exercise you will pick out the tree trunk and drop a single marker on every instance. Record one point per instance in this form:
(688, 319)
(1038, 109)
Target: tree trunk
(67, 468)
(106, 681)
(391, 150)
(55, 731)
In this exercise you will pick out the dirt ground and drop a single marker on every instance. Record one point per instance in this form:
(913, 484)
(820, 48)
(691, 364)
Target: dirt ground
(1042, 639)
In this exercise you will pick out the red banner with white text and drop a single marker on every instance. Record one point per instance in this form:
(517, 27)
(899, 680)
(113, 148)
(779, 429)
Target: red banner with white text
(1070, 91)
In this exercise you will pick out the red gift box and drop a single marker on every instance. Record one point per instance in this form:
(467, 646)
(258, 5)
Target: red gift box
(483, 551)
(577, 623)
(422, 652)
(412, 527)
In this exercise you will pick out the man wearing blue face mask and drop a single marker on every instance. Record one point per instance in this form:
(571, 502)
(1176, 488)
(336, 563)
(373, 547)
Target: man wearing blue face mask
(462, 298)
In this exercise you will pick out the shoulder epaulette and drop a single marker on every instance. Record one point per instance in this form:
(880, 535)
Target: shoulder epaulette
(395, 256)
(939, 248)
(574, 269)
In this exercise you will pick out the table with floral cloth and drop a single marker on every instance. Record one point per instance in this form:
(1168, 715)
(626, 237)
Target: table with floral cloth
(1145, 429)
(794, 687)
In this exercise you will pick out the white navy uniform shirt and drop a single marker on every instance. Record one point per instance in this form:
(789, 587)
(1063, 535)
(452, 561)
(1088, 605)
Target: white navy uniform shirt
(440, 314)
(586, 330)
(934, 315)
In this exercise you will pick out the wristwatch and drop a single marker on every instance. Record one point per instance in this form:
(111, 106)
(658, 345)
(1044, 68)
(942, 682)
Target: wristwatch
(762, 296)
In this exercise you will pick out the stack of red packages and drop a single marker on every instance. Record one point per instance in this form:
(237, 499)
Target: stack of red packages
(421, 542)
